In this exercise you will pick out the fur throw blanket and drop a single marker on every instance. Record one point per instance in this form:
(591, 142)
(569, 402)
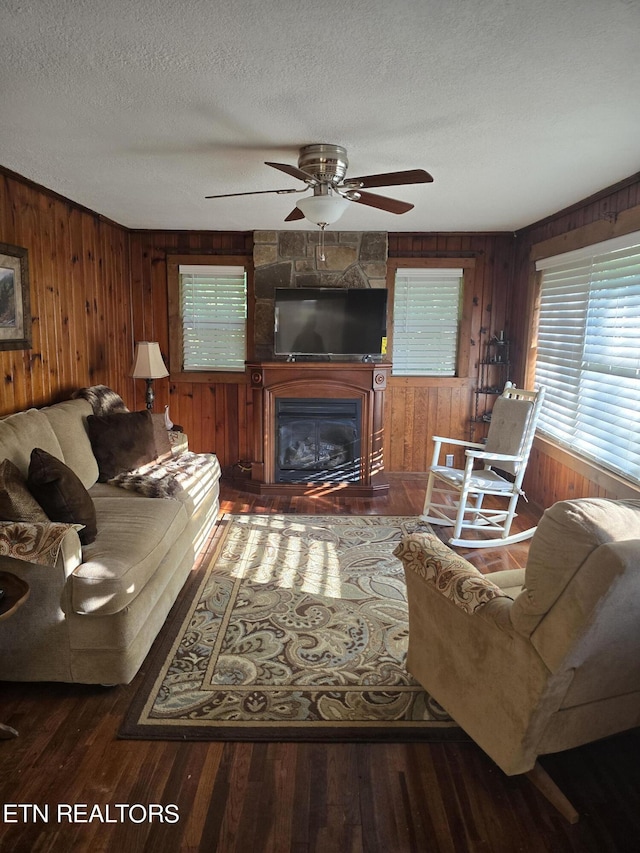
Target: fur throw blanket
(103, 400)
(165, 479)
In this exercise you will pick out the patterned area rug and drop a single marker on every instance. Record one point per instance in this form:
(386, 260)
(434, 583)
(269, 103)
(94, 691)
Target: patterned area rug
(297, 631)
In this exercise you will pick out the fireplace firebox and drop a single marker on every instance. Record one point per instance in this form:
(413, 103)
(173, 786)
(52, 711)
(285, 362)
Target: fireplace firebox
(318, 440)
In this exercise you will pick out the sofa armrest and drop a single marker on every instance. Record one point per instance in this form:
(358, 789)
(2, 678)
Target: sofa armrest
(41, 542)
(449, 573)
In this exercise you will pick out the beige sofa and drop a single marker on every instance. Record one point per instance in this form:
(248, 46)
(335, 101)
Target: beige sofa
(541, 659)
(95, 610)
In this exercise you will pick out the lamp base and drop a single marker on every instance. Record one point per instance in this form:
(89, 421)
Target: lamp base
(150, 395)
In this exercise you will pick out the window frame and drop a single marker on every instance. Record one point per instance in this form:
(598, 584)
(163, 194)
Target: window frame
(176, 370)
(463, 353)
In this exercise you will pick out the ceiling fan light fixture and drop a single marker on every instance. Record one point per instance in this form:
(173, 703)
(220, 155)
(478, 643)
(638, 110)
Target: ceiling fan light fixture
(323, 209)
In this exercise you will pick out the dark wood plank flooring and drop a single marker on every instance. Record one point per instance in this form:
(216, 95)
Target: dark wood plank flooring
(301, 797)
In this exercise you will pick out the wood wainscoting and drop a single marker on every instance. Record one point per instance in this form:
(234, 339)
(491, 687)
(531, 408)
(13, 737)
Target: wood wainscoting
(417, 408)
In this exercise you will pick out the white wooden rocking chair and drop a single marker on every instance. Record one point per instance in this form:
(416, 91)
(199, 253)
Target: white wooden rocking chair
(505, 456)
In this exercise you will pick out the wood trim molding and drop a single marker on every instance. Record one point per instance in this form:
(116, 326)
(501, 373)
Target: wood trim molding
(605, 193)
(623, 223)
(432, 263)
(175, 319)
(467, 264)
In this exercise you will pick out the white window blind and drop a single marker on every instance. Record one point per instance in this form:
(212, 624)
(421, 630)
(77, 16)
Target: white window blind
(213, 303)
(426, 310)
(588, 352)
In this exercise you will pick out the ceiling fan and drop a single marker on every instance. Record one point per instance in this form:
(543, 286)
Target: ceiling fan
(323, 168)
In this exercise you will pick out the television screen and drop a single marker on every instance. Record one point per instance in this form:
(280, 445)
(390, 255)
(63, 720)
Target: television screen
(330, 321)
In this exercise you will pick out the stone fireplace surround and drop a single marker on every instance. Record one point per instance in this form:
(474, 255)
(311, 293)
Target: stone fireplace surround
(291, 259)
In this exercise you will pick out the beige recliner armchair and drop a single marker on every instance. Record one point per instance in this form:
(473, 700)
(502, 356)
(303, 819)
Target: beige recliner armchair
(535, 660)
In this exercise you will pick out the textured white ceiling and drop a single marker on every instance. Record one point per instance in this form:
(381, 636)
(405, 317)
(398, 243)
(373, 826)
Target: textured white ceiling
(138, 110)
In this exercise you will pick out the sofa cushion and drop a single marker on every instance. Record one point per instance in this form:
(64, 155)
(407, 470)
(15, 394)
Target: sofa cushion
(134, 535)
(121, 441)
(21, 432)
(16, 501)
(510, 581)
(567, 534)
(69, 422)
(61, 494)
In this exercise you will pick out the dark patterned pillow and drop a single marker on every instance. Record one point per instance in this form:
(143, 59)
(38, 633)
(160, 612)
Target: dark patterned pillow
(61, 493)
(121, 442)
(16, 501)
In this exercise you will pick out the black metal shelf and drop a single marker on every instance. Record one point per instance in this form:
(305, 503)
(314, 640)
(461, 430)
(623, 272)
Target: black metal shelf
(493, 374)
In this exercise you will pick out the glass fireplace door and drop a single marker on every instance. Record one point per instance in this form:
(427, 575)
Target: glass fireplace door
(318, 440)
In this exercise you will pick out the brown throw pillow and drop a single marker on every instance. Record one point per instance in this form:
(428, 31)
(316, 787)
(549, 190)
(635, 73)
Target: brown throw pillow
(61, 494)
(121, 442)
(16, 501)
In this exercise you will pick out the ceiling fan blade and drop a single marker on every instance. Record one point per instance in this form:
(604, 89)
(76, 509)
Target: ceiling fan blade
(296, 213)
(391, 205)
(293, 171)
(256, 192)
(391, 179)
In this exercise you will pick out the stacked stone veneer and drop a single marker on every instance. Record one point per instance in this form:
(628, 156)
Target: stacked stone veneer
(292, 259)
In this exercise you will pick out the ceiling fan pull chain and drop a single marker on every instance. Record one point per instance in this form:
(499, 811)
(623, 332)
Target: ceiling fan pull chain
(323, 225)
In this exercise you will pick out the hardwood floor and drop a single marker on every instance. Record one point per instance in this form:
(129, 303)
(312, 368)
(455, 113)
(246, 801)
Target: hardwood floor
(293, 797)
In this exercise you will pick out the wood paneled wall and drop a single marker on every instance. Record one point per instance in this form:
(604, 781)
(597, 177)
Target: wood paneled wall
(213, 415)
(80, 297)
(553, 474)
(97, 287)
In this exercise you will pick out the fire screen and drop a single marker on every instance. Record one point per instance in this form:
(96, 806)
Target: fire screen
(318, 440)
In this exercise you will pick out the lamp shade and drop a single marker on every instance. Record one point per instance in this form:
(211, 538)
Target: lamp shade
(323, 209)
(148, 363)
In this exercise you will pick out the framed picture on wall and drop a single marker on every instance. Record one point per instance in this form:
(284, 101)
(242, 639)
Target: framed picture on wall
(15, 314)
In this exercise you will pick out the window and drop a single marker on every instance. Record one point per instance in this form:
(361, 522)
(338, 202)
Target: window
(213, 312)
(588, 353)
(426, 315)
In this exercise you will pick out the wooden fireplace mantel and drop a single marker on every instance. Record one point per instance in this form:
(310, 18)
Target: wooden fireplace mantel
(274, 380)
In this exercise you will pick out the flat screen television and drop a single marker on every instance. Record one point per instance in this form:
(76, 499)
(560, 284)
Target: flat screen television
(330, 321)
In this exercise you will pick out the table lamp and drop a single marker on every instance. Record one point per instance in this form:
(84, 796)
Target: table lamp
(148, 365)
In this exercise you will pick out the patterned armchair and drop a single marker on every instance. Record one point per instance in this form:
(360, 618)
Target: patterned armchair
(535, 660)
